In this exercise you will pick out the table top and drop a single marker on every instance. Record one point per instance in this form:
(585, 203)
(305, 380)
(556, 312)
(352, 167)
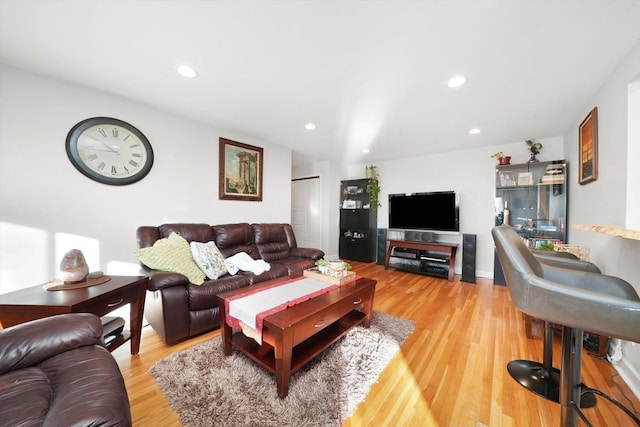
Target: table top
(309, 307)
(36, 296)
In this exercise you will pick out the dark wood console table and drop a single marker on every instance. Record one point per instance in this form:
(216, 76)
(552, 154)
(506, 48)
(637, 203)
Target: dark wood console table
(35, 303)
(449, 248)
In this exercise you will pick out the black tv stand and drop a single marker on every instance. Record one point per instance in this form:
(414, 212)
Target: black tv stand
(434, 259)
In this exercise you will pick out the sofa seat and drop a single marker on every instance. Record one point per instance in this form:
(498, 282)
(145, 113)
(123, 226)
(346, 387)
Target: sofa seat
(177, 309)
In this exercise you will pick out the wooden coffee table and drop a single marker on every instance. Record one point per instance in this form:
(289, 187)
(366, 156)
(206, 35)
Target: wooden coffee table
(35, 303)
(294, 336)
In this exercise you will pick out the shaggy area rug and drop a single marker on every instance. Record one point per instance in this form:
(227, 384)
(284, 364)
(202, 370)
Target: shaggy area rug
(207, 388)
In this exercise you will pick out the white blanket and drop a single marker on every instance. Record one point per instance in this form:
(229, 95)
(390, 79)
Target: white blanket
(242, 261)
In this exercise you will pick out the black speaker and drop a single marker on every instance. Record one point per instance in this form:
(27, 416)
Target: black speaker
(469, 258)
(427, 237)
(382, 245)
(419, 236)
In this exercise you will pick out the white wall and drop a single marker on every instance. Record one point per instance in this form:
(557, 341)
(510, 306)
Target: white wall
(470, 172)
(603, 202)
(42, 194)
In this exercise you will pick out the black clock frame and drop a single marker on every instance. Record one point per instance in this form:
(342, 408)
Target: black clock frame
(74, 156)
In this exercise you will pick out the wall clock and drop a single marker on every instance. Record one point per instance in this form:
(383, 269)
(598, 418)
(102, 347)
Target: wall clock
(109, 151)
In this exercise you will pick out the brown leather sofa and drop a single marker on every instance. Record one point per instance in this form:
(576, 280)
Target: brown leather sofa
(56, 372)
(177, 309)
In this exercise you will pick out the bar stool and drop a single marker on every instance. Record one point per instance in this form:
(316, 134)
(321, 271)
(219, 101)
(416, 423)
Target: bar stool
(578, 300)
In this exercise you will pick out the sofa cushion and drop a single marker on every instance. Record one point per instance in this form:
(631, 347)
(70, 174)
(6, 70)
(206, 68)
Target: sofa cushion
(172, 254)
(274, 251)
(209, 259)
(203, 297)
(234, 238)
(190, 232)
(25, 385)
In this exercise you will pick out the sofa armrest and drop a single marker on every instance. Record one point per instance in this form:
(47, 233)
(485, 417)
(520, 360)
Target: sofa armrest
(314, 254)
(32, 342)
(165, 279)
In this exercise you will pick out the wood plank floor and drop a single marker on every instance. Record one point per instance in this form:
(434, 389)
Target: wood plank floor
(450, 372)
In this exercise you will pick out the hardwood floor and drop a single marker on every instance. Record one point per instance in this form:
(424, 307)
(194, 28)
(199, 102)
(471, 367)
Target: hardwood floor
(450, 372)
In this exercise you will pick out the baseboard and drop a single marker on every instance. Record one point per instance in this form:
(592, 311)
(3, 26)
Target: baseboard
(629, 374)
(484, 274)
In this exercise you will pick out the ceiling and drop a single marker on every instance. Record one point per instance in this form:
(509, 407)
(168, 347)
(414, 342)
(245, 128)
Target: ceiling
(369, 74)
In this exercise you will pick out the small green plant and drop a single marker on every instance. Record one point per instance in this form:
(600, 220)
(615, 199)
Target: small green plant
(533, 147)
(347, 266)
(371, 172)
(322, 262)
(497, 155)
(547, 246)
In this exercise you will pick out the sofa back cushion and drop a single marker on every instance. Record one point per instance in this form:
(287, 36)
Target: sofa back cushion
(234, 238)
(271, 241)
(190, 232)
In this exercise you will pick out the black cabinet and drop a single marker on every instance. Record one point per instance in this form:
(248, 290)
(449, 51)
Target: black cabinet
(358, 221)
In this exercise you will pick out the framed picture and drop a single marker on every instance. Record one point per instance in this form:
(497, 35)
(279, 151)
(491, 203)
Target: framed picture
(507, 179)
(588, 148)
(525, 178)
(240, 174)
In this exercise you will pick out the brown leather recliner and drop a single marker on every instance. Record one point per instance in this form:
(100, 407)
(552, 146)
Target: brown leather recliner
(177, 309)
(56, 372)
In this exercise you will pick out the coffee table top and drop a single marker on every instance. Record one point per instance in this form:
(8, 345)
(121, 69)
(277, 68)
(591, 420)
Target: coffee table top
(295, 313)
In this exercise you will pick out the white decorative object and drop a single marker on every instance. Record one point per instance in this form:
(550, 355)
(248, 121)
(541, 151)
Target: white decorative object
(73, 267)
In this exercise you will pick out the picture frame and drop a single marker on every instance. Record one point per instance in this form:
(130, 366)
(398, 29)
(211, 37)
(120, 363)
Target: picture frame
(588, 148)
(525, 178)
(240, 171)
(507, 179)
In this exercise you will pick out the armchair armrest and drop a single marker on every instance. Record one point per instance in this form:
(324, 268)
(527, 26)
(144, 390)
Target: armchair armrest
(314, 254)
(564, 262)
(30, 343)
(595, 306)
(165, 279)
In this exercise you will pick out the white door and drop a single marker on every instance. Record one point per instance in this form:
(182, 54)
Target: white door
(305, 212)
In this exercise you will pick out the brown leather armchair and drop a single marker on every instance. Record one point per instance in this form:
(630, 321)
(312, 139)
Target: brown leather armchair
(56, 372)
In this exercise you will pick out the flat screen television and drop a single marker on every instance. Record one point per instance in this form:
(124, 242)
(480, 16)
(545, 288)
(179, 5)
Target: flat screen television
(435, 211)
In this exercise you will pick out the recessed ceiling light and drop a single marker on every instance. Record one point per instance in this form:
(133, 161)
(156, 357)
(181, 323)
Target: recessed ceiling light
(187, 71)
(456, 81)
(310, 126)
(365, 150)
(474, 131)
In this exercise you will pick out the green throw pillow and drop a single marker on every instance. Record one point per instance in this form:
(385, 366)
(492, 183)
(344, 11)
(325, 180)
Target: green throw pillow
(172, 254)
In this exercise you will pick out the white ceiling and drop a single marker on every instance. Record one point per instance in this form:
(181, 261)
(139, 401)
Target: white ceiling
(370, 74)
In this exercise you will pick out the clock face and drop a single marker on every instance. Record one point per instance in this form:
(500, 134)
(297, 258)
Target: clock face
(109, 151)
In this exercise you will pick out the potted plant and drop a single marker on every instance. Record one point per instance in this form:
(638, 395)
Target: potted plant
(347, 267)
(322, 265)
(534, 149)
(371, 172)
(502, 159)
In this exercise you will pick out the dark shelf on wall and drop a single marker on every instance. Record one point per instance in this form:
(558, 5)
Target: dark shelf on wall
(358, 221)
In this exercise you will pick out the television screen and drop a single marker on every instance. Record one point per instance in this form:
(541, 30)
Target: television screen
(437, 211)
